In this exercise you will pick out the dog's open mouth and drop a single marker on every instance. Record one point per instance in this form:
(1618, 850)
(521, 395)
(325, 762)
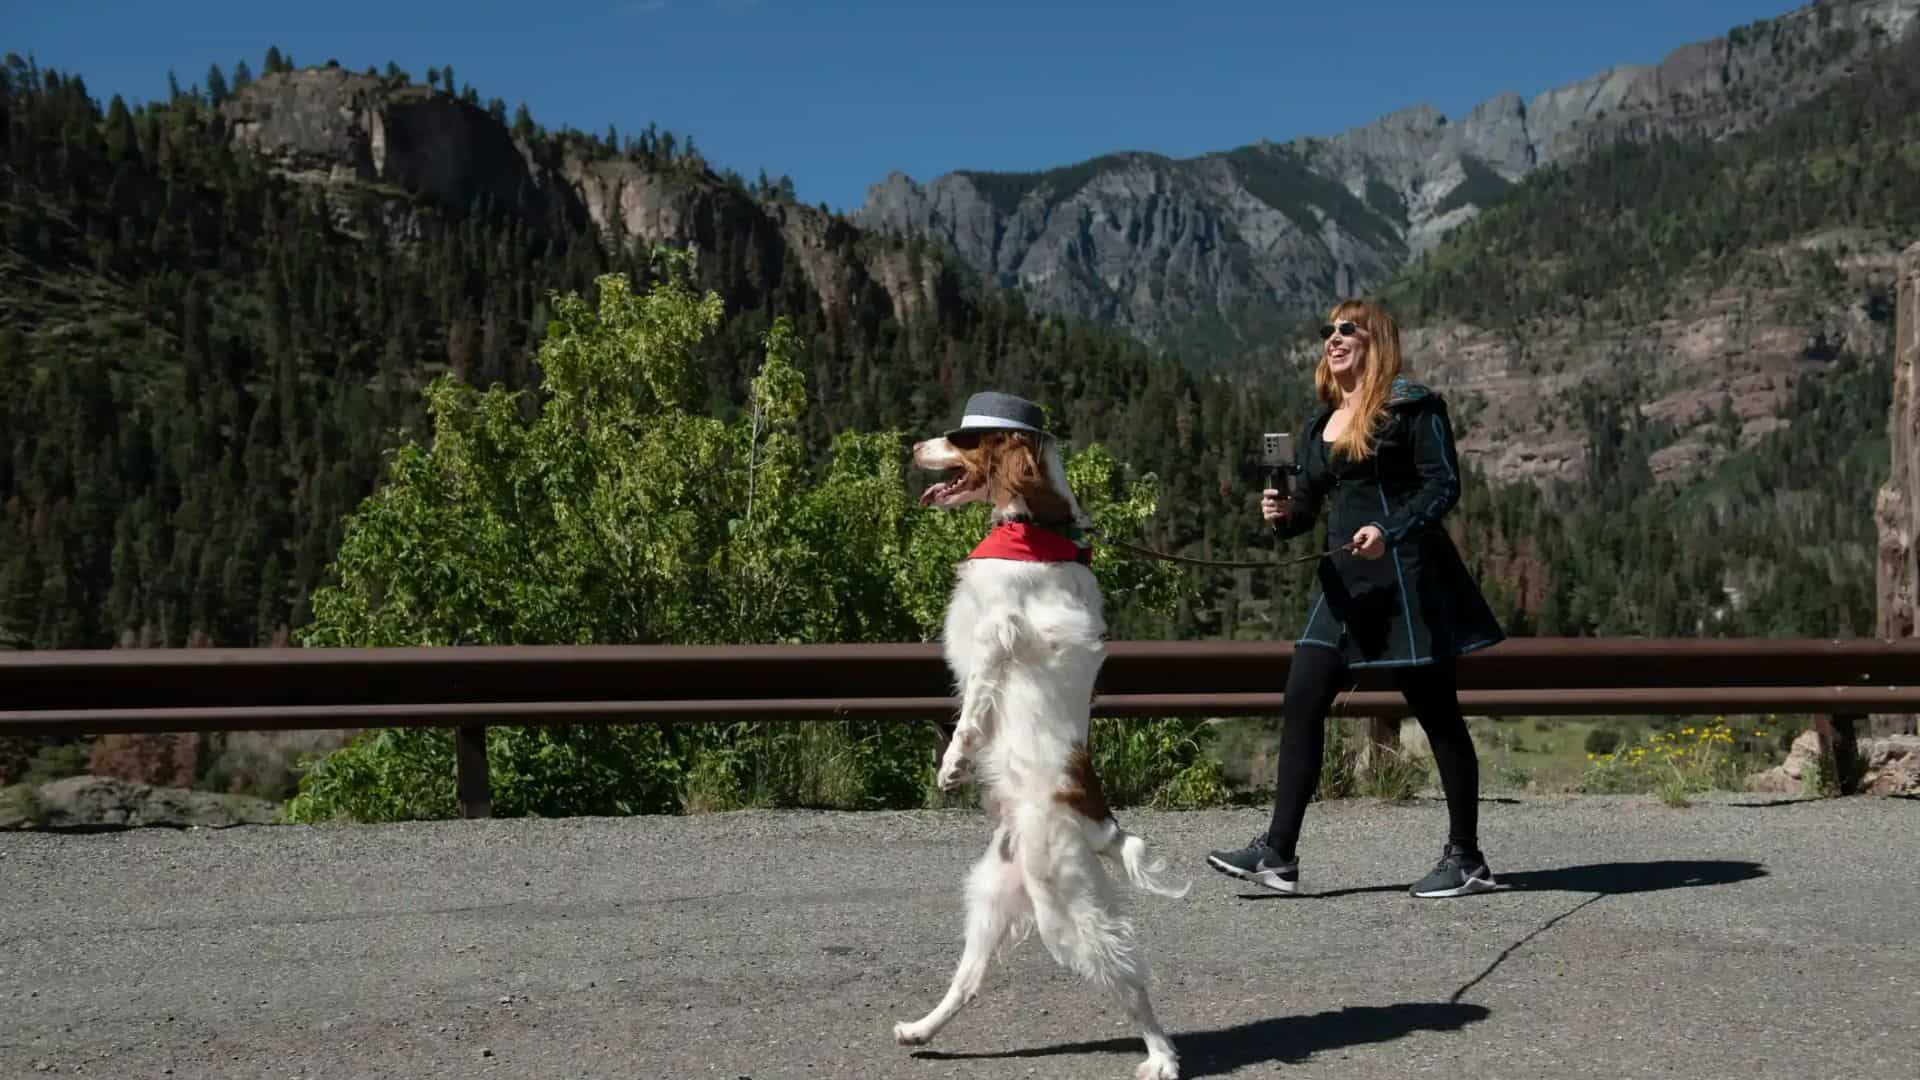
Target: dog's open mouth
(946, 492)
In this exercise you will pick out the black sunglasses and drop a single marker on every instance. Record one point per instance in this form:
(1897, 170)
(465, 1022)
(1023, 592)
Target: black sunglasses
(1347, 329)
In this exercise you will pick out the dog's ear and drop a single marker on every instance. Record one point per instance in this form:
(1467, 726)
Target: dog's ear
(1016, 469)
(1021, 469)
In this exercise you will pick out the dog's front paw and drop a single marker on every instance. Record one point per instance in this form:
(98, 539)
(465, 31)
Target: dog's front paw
(908, 1035)
(1158, 1068)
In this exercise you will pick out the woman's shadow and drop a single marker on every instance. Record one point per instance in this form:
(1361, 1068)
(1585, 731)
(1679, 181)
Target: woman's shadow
(1604, 879)
(1294, 1039)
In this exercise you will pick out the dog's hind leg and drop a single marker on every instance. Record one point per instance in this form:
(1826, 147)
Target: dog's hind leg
(1162, 1063)
(996, 900)
(1073, 911)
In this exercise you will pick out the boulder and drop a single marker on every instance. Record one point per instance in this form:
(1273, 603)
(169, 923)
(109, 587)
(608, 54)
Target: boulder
(1891, 766)
(1789, 777)
(104, 802)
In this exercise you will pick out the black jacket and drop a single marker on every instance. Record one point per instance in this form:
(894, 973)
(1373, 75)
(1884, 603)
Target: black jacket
(1418, 601)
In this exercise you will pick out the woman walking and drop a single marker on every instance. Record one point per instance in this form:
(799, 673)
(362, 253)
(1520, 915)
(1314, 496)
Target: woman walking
(1380, 457)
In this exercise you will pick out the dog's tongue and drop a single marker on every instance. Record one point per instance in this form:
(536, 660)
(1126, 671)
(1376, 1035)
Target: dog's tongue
(933, 492)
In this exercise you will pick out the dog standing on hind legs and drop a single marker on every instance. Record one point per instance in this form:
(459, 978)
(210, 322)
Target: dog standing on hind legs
(1024, 637)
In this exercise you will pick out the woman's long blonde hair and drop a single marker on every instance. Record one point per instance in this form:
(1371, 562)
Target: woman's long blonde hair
(1376, 381)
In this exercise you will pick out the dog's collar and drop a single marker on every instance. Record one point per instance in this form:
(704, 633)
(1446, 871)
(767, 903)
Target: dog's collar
(1067, 528)
(1025, 541)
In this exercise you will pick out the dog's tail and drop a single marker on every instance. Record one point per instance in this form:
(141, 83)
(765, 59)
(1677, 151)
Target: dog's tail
(1143, 873)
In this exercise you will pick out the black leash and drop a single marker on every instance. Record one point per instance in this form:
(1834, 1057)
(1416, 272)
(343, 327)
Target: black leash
(1259, 564)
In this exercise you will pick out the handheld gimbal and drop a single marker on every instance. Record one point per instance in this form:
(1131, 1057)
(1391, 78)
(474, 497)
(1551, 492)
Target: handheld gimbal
(1276, 457)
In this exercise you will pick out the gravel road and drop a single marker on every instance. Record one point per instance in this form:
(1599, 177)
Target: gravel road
(1738, 938)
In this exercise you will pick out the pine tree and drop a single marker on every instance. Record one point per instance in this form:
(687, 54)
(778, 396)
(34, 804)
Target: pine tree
(122, 143)
(216, 86)
(242, 75)
(274, 64)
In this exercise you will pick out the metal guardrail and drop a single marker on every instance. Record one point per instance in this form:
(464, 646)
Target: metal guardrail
(468, 688)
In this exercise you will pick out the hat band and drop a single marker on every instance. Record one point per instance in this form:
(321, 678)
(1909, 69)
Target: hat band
(981, 421)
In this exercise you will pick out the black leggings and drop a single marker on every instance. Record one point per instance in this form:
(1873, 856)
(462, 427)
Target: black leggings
(1316, 676)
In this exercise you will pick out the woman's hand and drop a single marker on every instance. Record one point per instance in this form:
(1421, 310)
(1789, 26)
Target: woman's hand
(1369, 542)
(1273, 507)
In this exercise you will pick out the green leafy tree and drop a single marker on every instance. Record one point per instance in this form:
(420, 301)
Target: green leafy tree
(620, 514)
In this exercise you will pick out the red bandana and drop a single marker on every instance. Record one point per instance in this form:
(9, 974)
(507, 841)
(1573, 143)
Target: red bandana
(1021, 542)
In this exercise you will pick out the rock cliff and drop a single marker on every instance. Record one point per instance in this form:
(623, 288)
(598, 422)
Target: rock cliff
(1897, 510)
(334, 127)
(425, 154)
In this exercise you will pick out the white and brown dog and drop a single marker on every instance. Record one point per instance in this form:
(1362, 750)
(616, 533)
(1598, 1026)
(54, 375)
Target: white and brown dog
(1024, 637)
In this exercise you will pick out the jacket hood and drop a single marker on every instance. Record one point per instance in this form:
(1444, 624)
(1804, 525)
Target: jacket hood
(1407, 392)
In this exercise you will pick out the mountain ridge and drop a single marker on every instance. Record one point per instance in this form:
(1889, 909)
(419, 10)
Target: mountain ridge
(1140, 240)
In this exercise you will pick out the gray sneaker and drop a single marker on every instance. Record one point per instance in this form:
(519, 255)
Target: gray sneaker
(1259, 864)
(1458, 873)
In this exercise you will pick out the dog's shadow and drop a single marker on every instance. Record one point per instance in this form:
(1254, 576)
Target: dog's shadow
(1286, 1039)
(1606, 879)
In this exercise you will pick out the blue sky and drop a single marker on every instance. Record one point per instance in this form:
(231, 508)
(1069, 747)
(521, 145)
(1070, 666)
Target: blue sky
(838, 93)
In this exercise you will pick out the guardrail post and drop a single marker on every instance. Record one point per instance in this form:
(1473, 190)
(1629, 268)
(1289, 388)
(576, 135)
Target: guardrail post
(1840, 749)
(470, 771)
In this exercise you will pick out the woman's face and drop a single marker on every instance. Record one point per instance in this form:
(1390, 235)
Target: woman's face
(1346, 347)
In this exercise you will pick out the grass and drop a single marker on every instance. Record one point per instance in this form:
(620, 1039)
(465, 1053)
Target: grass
(56, 762)
(20, 807)
(1541, 754)
(265, 764)
(1534, 754)
(807, 765)
(1349, 769)
(1675, 764)
(1396, 775)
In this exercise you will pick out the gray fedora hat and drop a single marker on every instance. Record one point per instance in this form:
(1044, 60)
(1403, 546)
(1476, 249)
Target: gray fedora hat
(991, 411)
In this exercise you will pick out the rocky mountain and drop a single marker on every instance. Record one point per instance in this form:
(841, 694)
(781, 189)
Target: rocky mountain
(1172, 248)
(354, 134)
